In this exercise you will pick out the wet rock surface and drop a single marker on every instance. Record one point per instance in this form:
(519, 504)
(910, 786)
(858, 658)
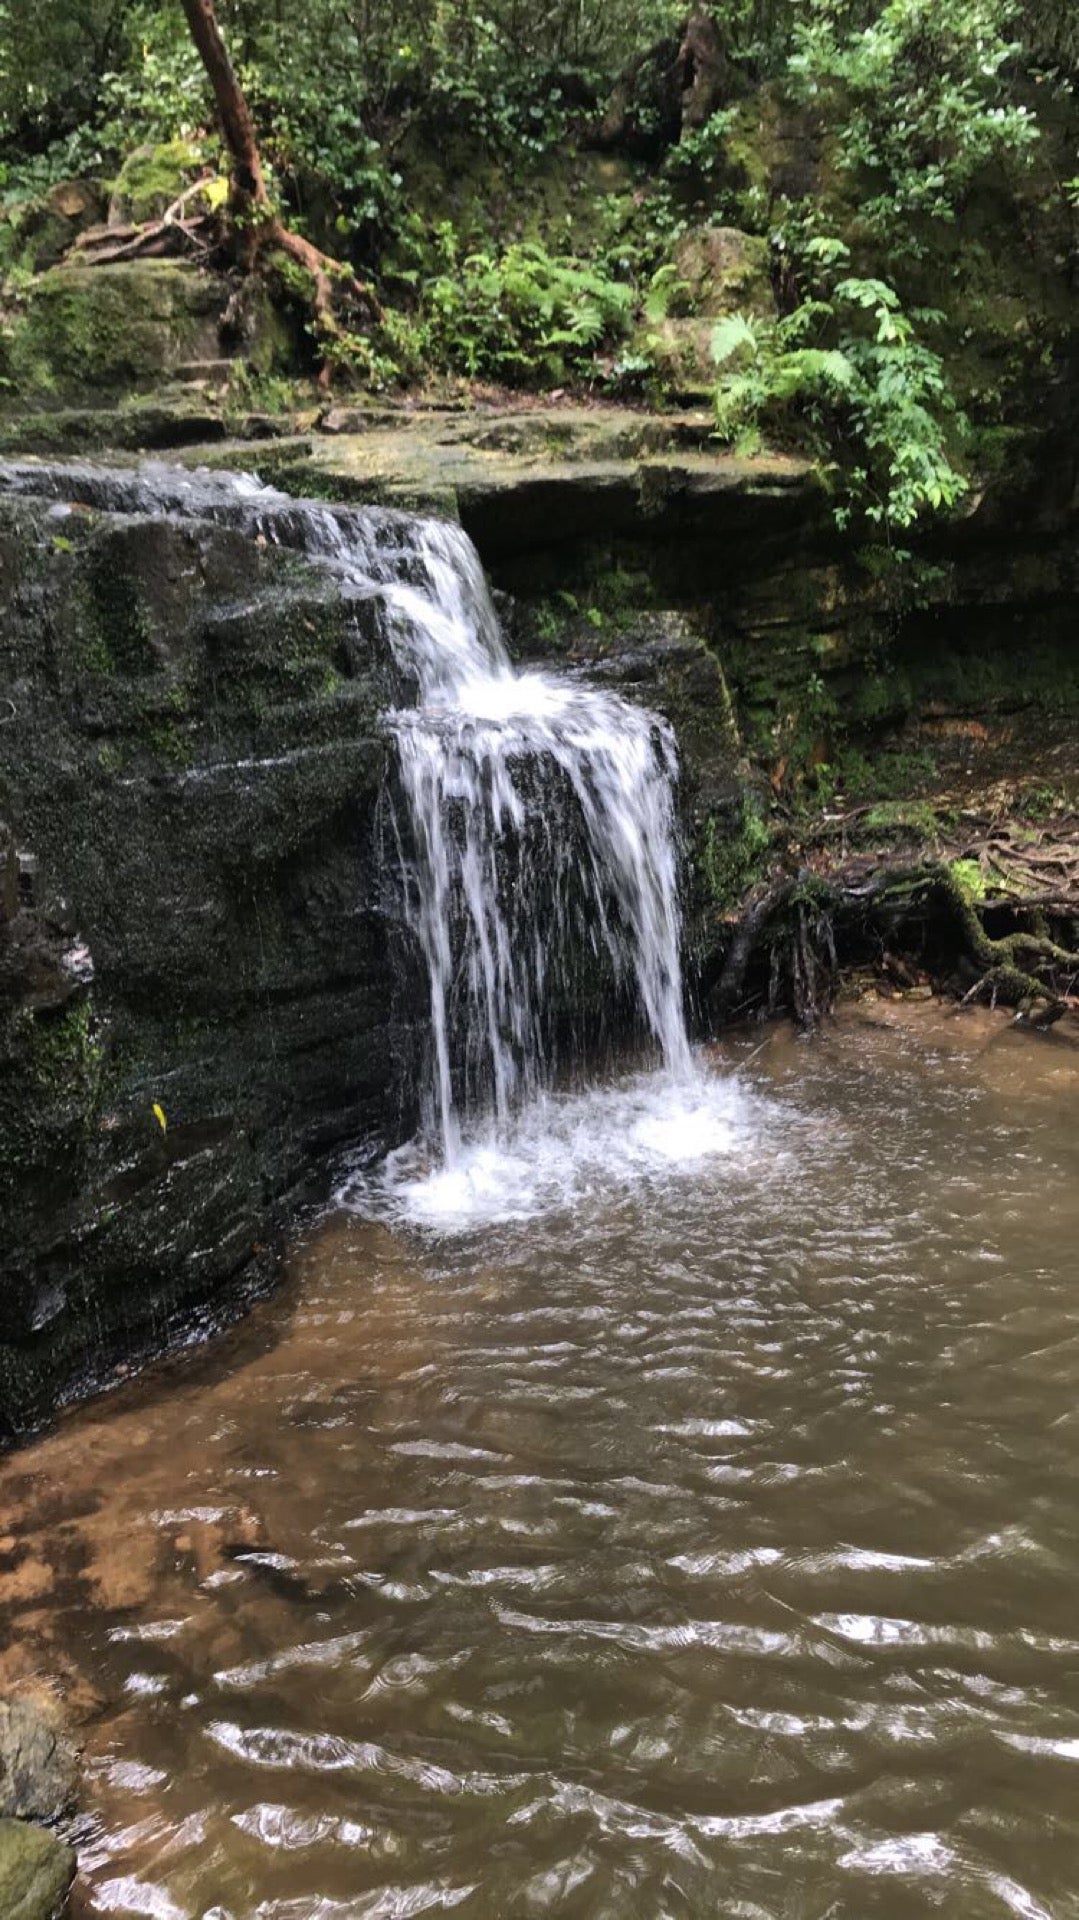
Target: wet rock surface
(195, 991)
(537, 478)
(38, 1766)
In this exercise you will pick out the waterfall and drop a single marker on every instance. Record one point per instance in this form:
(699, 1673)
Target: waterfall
(535, 813)
(495, 897)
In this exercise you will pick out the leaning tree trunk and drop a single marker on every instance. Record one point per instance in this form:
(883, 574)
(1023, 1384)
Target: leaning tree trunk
(255, 222)
(250, 202)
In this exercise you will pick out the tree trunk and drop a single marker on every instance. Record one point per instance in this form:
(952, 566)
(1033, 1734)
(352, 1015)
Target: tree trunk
(255, 221)
(249, 193)
(703, 70)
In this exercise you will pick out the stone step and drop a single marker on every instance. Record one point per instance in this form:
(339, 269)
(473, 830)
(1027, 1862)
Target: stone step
(209, 371)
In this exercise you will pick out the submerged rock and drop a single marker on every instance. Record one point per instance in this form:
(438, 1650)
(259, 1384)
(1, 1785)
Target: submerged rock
(36, 1872)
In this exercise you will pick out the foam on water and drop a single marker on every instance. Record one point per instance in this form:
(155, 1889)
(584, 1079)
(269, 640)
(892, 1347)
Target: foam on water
(564, 1149)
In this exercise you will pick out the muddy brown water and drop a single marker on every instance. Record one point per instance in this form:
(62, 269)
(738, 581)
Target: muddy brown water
(709, 1546)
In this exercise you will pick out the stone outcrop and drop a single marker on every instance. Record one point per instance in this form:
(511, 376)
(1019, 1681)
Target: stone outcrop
(202, 989)
(195, 991)
(541, 478)
(720, 271)
(160, 335)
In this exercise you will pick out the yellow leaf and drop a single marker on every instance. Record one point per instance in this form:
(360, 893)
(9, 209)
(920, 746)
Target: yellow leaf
(159, 1116)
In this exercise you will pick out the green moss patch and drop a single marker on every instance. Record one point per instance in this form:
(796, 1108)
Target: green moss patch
(84, 329)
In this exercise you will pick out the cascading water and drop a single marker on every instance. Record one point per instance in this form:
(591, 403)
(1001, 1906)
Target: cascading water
(495, 896)
(535, 822)
(498, 885)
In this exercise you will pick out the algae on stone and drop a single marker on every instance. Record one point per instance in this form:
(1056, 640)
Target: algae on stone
(151, 180)
(36, 1872)
(122, 327)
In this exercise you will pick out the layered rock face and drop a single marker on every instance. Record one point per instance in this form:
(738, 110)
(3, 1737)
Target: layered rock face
(195, 984)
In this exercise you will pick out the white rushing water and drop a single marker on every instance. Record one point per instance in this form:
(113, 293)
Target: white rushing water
(539, 822)
(540, 814)
(537, 845)
(566, 1150)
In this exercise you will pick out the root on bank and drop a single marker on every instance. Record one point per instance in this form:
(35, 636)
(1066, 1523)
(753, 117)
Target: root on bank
(255, 226)
(918, 920)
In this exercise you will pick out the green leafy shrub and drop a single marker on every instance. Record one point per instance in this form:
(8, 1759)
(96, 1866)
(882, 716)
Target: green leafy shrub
(919, 96)
(519, 315)
(846, 374)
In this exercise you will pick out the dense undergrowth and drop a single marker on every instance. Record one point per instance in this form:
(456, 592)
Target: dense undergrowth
(908, 168)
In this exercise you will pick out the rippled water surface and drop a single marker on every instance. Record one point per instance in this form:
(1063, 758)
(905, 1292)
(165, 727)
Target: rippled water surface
(697, 1534)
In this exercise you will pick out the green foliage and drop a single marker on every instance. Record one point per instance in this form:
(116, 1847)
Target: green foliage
(888, 776)
(732, 856)
(847, 374)
(969, 877)
(356, 107)
(914, 819)
(102, 79)
(513, 316)
(158, 92)
(919, 95)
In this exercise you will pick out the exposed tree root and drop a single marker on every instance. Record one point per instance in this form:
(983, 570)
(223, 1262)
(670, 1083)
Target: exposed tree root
(174, 232)
(792, 924)
(254, 223)
(918, 920)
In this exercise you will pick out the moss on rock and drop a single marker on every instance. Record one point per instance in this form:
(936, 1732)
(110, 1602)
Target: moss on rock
(36, 1872)
(152, 179)
(84, 329)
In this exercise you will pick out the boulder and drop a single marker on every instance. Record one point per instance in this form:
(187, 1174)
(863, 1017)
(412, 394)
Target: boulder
(151, 180)
(726, 271)
(36, 1872)
(85, 331)
(723, 271)
(38, 1765)
(41, 231)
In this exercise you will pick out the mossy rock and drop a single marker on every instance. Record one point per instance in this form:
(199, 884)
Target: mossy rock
(36, 234)
(726, 271)
(88, 329)
(36, 1872)
(776, 148)
(151, 180)
(721, 270)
